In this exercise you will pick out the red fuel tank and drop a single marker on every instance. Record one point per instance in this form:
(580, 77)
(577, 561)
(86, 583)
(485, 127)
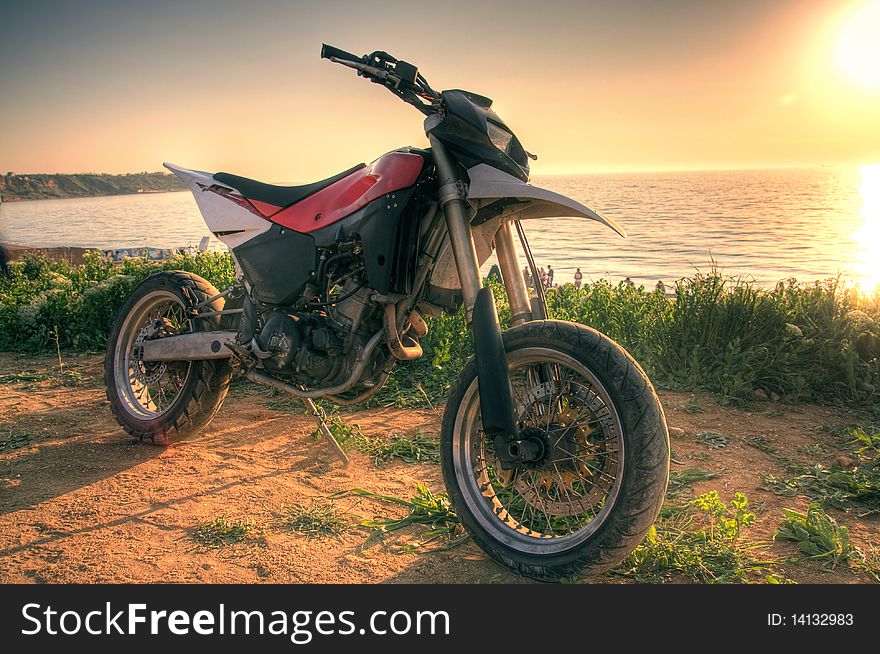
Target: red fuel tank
(389, 173)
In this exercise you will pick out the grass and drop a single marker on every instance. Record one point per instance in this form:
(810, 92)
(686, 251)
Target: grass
(854, 488)
(701, 542)
(693, 406)
(222, 531)
(46, 306)
(858, 488)
(867, 445)
(15, 440)
(870, 563)
(415, 448)
(805, 342)
(316, 520)
(30, 380)
(432, 511)
(679, 482)
(712, 440)
(762, 443)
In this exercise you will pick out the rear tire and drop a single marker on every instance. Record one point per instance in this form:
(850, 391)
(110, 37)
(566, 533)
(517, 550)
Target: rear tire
(588, 504)
(137, 398)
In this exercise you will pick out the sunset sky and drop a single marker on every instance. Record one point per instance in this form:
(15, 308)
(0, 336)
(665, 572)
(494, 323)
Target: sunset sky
(589, 86)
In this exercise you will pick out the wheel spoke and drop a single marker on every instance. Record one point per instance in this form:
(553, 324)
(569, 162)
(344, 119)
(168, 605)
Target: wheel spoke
(569, 490)
(149, 389)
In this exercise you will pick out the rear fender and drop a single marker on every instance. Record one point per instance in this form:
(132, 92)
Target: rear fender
(230, 221)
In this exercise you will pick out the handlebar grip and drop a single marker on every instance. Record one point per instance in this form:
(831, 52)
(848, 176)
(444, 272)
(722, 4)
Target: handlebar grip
(328, 51)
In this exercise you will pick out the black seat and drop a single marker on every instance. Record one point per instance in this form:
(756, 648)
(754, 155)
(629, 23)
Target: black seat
(280, 196)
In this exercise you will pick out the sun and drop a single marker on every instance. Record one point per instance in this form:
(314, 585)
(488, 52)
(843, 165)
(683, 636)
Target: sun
(858, 46)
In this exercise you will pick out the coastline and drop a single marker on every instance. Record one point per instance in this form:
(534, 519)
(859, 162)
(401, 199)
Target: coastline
(16, 200)
(15, 187)
(71, 254)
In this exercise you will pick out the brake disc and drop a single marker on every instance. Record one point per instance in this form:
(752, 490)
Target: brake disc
(567, 483)
(146, 372)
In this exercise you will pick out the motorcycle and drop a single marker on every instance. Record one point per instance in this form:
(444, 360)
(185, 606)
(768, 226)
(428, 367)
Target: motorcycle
(554, 446)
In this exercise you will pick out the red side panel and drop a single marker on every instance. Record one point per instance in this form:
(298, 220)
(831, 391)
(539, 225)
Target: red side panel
(389, 173)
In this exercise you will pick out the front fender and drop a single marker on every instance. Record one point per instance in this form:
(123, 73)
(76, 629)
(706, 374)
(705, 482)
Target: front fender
(488, 183)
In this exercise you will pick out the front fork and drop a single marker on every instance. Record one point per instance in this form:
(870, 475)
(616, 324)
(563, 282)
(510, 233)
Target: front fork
(496, 395)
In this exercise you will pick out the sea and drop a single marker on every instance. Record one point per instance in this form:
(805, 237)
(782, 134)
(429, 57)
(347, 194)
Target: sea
(807, 224)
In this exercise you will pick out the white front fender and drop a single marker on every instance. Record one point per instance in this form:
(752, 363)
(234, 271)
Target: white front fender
(488, 183)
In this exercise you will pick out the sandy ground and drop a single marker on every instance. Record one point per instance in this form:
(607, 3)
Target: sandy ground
(80, 501)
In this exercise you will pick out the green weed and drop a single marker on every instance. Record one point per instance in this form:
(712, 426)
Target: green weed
(30, 380)
(858, 488)
(15, 440)
(427, 509)
(222, 531)
(692, 406)
(679, 482)
(701, 542)
(416, 448)
(316, 520)
(712, 440)
(868, 445)
(817, 535)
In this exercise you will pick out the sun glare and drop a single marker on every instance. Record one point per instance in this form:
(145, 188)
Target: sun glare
(858, 46)
(868, 236)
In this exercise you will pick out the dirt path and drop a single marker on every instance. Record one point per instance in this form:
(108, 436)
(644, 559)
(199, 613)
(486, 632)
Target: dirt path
(80, 501)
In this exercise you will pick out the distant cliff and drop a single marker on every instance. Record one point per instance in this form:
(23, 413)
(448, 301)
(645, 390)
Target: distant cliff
(41, 187)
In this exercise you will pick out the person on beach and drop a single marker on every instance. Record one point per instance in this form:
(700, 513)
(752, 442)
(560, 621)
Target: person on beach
(543, 274)
(628, 282)
(578, 278)
(661, 287)
(550, 273)
(527, 276)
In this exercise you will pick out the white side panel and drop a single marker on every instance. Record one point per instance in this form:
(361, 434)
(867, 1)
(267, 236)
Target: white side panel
(221, 214)
(490, 183)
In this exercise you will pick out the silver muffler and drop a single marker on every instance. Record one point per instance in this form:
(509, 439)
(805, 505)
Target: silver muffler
(196, 346)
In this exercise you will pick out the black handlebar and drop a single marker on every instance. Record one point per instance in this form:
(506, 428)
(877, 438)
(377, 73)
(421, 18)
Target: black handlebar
(328, 51)
(401, 78)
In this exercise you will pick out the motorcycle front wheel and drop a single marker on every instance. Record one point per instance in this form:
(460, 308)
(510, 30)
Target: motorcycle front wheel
(592, 497)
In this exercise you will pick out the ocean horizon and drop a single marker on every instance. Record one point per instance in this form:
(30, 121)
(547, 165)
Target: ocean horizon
(766, 225)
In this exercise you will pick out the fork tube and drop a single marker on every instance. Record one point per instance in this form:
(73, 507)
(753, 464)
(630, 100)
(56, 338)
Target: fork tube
(457, 224)
(514, 283)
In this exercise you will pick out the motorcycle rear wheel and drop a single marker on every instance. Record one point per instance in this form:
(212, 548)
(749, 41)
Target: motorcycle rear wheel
(592, 498)
(160, 403)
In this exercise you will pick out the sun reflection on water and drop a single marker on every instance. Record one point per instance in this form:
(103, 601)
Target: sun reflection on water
(868, 236)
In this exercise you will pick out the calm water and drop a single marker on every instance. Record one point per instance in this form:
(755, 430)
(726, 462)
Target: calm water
(769, 225)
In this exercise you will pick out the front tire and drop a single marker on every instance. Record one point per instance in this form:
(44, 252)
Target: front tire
(585, 506)
(164, 402)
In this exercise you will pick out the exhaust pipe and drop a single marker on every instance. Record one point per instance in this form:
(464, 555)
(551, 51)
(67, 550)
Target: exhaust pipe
(405, 347)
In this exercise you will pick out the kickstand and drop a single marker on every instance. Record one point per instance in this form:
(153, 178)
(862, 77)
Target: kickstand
(322, 426)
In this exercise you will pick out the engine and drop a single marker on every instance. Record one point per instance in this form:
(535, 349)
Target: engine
(311, 309)
(314, 342)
